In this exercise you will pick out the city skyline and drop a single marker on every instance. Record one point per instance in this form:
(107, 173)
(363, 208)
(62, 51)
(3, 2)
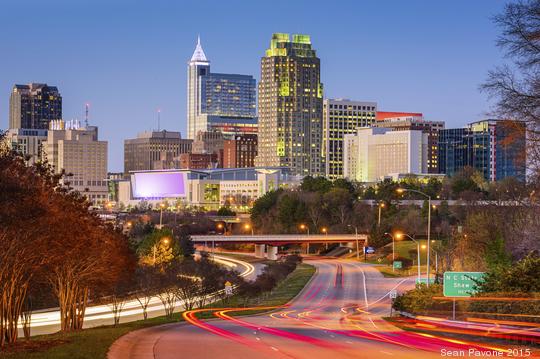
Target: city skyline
(147, 71)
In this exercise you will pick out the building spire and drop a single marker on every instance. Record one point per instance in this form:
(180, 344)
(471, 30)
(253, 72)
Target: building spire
(198, 54)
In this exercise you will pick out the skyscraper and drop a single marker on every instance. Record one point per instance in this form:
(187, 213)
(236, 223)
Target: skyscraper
(218, 102)
(342, 117)
(33, 106)
(291, 106)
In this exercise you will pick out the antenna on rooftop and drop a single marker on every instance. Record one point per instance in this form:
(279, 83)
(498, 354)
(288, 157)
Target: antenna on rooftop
(159, 119)
(86, 115)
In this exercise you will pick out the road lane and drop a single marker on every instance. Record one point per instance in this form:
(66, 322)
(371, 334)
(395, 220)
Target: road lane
(338, 314)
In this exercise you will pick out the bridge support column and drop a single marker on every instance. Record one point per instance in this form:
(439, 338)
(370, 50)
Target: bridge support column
(271, 253)
(259, 250)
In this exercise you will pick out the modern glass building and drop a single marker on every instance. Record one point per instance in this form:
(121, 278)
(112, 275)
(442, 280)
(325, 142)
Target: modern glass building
(291, 106)
(215, 99)
(34, 105)
(341, 117)
(495, 148)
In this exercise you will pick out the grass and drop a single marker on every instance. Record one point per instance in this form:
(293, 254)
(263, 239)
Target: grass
(95, 342)
(387, 272)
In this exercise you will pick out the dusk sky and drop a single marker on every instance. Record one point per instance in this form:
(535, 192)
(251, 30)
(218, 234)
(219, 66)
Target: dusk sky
(128, 58)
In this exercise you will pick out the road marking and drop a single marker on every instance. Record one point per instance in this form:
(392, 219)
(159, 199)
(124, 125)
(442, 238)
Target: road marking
(348, 342)
(387, 353)
(365, 288)
(258, 338)
(275, 349)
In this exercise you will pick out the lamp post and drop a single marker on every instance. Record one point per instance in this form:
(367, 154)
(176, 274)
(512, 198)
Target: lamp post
(247, 227)
(381, 206)
(304, 227)
(417, 250)
(393, 248)
(154, 248)
(357, 249)
(402, 190)
(161, 206)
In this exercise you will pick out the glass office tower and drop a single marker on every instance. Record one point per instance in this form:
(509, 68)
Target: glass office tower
(219, 102)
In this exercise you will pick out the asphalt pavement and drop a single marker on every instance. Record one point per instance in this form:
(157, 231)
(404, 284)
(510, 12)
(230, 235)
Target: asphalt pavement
(339, 314)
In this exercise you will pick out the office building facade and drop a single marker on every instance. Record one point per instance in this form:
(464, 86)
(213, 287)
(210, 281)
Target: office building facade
(342, 117)
(291, 107)
(33, 106)
(78, 151)
(495, 148)
(28, 142)
(222, 102)
(142, 153)
(406, 121)
(374, 153)
(240, 152)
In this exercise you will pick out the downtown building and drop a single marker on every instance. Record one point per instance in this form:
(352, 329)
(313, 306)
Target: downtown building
(495, 148)
(218, 102)
(376, 153)
(407, 121)
(342, 117)
(78, 151)
(154, 150)
(27, 142)
(34, 106)
(240, 152)
(291, 107)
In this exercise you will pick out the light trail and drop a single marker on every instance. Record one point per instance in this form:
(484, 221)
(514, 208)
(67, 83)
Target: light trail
(132, 310)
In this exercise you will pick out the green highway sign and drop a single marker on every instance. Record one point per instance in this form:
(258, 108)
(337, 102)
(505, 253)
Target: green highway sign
(460, 284)
(398, 264)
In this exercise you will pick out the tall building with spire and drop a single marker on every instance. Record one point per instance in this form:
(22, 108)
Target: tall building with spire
(291, 106)
(218, 102)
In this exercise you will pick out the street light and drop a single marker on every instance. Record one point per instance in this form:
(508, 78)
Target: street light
(357, 249)
(154, 248)
(247, 227)
(402, 190)
(304, 227)
(399, 235)
(324, 230)
(161, 206)
(381, 206)
(393, 248)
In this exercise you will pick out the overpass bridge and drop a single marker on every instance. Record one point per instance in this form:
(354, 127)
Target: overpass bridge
(272, 241)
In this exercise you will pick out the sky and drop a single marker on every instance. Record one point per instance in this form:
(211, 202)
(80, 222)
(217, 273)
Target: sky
(128, 58)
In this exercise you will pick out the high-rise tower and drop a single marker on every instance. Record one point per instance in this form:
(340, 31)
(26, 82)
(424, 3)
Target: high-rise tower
(219, 102)
(197, 66)
(291, 106)
(33, 106)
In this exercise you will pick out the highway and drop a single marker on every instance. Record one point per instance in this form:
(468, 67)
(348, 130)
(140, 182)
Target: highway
(48, 321)
(337, 315)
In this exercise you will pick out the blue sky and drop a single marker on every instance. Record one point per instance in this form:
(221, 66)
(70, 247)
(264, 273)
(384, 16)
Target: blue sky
(128, 58)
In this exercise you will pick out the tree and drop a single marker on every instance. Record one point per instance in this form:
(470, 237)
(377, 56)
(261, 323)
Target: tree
(145, 287)
(315, 184)
(186, 245)
(226, 211)
(515, 85)
(159, 248)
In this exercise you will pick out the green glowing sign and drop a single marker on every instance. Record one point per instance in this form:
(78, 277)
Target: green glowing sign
(460, 284)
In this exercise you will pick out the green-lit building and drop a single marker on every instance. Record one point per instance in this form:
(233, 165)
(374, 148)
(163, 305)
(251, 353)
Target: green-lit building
(291, 106)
